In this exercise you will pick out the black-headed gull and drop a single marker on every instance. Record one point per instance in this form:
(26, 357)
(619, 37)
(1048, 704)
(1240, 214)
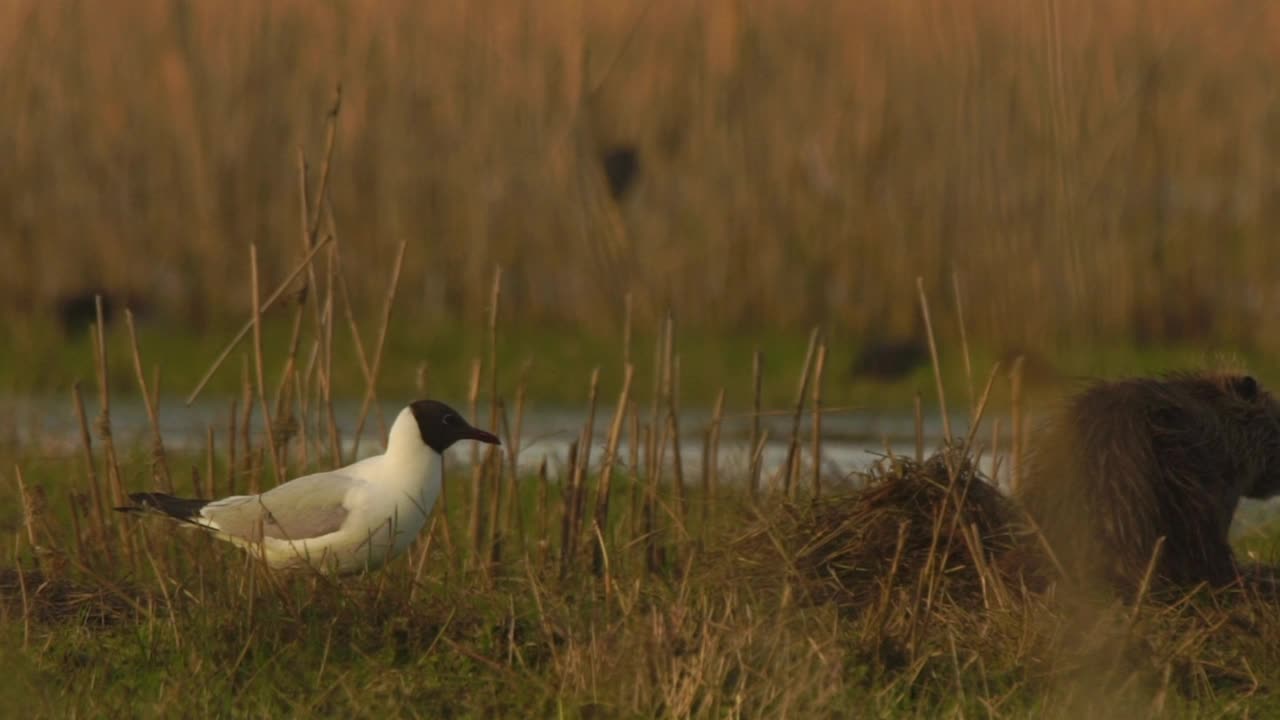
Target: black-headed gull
(343, 520)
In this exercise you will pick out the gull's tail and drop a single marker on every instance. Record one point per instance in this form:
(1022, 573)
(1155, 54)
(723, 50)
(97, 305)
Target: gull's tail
(184, 509)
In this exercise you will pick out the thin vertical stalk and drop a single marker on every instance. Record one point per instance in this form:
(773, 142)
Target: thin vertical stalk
(231, 448)
(818, 364)
(964, 336)
(933, 355)
(475, 524)
(104, 425)
(712, 461)
(160, 466)
(544, 538)
(331, 419)
(268, 426)
(583, 466)
(1015, 462)
(791, 468)
(515, 518)
(919, 417)
(604, 487)
(757, 369)
(90, 468)
(566, 510)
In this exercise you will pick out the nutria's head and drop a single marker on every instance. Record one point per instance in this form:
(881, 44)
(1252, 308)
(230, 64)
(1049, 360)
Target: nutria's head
(1256, 413)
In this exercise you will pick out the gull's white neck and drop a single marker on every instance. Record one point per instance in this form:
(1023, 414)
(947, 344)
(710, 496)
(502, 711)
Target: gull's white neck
(408, 461)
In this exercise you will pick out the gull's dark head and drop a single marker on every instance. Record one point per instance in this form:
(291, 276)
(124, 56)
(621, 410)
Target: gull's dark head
(441, 426)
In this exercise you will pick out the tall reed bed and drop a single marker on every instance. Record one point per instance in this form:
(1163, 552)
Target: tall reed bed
(1093, 170)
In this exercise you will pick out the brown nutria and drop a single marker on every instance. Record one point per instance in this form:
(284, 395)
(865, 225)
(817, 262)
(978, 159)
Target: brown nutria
(1127, 462)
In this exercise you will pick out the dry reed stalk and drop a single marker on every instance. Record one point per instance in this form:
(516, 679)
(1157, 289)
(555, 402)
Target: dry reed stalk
(103, 426)
(566, 510)
(286, 424)
(980, 409)
(757, 452)
(1147, 577)
(544, 537)
(73, 502)
(515, 510)
(247, 327)
(964, 336)
(268, 425)
(30, 515)
(159, 465)
(305, 396)
(656, 554)
(493, 472)
(671, 396)
(475, 527)
(603, 488)
(331, 418)
(919, 423)
(583, 466)
(512, 522)
(22, 586)
(495, 298)
(626, 329)
(790, 469)
(995, 452)
(643, 525)
(246, 425)
(659, 380)
(933, 355)
(209, 452)
(90, 467)
(633, 463)
(197, 486)
(371, 387)
(421, 561)
(877, 621)
(757, 362)
(330, 139)
(704, 486)
(307, 229)
(819, 364)
(711, 460)
(231, 448)
(1015, 472)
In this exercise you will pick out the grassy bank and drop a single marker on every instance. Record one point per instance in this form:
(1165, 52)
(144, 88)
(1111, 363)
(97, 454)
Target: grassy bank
(738, 614)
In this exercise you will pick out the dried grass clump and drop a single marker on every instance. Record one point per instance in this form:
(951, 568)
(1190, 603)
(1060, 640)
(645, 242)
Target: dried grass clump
(937, 527)
(45, 599)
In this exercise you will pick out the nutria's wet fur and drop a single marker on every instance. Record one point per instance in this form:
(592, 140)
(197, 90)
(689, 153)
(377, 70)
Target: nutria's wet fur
(1127, 462)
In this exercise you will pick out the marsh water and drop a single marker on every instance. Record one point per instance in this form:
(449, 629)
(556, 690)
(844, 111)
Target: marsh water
(852, 440)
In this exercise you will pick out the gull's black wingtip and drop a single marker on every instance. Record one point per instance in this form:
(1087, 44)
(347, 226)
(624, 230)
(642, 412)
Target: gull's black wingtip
(175, 507)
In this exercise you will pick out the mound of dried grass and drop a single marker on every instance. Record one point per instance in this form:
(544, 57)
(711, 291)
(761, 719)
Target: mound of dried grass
(42, 598)
(936, 529)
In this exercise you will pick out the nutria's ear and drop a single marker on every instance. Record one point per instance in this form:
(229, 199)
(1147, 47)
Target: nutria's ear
(1246, 387)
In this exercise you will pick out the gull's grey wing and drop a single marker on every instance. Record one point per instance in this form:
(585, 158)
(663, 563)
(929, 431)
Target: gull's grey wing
(305, 508)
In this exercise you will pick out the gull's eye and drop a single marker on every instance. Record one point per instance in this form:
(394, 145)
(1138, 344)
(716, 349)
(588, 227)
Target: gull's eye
(448, 419)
